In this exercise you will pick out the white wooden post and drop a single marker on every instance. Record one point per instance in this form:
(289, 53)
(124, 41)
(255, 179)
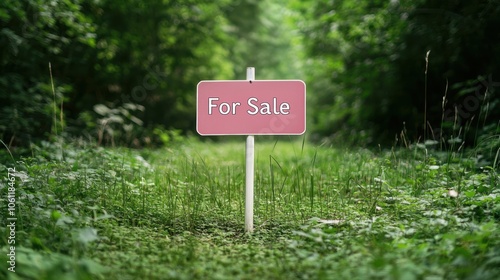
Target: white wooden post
(249, 175)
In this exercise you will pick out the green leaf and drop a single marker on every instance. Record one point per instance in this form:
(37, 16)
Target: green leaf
(470, 193)
(55, 215)
(87, 235)
(101, 109)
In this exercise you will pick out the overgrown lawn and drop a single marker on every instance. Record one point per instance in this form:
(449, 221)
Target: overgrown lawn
(85, 212)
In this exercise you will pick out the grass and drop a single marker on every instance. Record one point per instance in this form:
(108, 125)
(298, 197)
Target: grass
(320, 213)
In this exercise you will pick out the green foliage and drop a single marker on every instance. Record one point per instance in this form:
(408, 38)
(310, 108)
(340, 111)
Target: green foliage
(32, 264)
(169, 137)
(264, 37)
(365, 64)
(92, 212)
(107, 124)
(370, 59)
(354, 44)
(488, 146)
(127, 52)
(34, 34)
(57, 215)
(153, 55)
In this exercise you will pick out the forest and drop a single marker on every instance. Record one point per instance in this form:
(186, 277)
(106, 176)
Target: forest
(118, 71)
(105, 177)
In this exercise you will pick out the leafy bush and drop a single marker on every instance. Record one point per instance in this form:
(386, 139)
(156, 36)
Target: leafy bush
(34, 34)
(58, 213)
(111, 126)
(373, 73)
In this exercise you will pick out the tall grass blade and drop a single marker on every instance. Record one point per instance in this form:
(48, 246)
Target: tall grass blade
(54, 95)
(8, 150)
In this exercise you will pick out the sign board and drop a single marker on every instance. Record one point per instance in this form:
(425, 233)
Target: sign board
(242, 107)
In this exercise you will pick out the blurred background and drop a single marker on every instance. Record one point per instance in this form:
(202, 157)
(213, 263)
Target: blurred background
(125, 72)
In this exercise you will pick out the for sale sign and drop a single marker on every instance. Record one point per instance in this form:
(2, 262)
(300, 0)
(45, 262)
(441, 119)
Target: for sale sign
(260, 107)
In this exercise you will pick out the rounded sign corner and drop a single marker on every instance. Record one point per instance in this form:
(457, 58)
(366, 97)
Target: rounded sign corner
(198, 129)
(199, 83)
(303, 131)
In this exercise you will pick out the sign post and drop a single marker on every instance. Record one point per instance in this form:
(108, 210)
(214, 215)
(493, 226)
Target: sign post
(251, 107)
(249, 173)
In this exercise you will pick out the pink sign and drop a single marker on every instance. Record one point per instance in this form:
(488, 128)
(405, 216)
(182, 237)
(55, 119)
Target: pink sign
(260, 107)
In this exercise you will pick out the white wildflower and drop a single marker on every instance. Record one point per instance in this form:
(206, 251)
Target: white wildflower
(452, 193)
